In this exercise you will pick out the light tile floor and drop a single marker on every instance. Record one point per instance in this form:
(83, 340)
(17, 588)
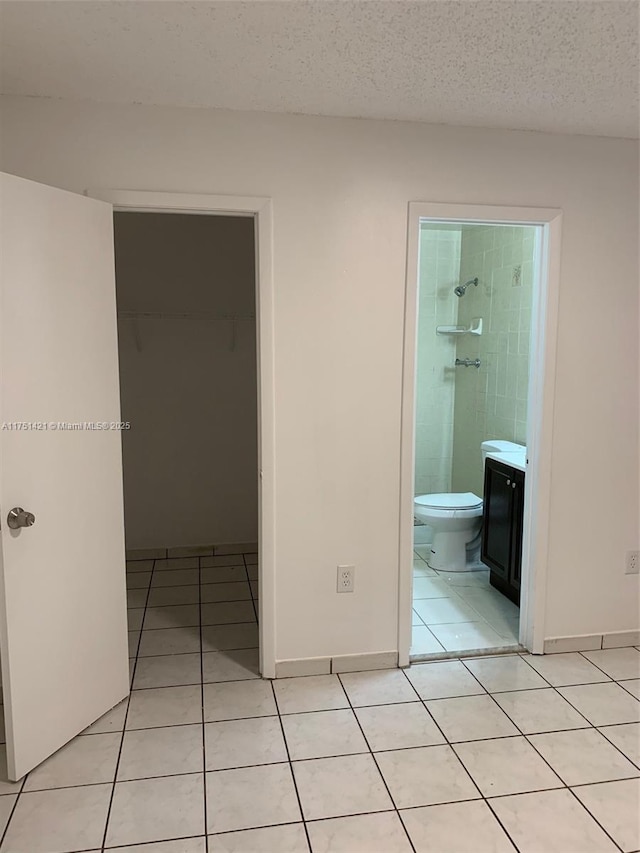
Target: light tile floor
(458, 611)
(484, 755)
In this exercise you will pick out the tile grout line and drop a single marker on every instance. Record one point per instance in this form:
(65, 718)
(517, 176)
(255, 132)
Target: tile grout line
(565, 786)
(448, 743)
(253, 603)
(126, 715)
(290, 765)
(375, 761)
(202, 713)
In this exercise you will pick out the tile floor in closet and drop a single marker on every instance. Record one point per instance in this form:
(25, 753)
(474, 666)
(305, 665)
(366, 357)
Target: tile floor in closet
(539, 755)
(458, 611)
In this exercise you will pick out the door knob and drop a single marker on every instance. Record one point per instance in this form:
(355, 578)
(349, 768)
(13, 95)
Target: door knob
(19, 518)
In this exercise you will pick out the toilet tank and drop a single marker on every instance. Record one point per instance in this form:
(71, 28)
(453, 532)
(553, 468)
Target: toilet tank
(499, 447)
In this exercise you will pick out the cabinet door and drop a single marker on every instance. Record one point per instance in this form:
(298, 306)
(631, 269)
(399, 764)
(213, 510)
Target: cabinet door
(517, 487)
(496, 533)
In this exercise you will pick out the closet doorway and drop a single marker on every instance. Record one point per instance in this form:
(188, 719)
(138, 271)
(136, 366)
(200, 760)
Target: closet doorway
(194, 322)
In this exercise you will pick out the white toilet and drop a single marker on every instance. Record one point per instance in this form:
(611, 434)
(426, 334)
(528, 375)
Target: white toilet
(455, 519)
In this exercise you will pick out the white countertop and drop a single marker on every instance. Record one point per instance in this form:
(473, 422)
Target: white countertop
(514, 460)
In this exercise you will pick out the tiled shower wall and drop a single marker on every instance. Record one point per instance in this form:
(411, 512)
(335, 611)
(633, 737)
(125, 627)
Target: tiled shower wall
(491, 402)
(435, 376)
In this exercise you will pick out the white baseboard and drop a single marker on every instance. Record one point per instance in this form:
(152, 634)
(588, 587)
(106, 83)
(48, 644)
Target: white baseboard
(340, 663)
(591, 642)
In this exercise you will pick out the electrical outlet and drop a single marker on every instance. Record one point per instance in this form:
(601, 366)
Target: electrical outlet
(345, 580)
(633, 563)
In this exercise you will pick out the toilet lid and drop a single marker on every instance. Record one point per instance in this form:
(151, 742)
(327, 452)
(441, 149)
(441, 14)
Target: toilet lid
(456, 500)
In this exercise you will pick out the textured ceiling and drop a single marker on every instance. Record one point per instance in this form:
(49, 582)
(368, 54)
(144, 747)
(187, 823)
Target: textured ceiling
(568, 66)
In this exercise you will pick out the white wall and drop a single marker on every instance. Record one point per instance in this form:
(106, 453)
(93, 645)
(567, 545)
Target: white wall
(187, 386)
(340, 190)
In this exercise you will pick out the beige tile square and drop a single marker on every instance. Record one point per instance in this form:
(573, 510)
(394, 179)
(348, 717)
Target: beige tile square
(626, 738)
(136, 598)
(423, 642)
(550, 822)
(251, 797)
(367, 833)
(83, 761)
(565, 669)
(212, 592)
(234, 700)
(165, 706)
(333, 787)
(139, 566)
(540, 711)
(288, 838)
(172, 595)
(441, 611)
(398, 726)
(177, 616)
(319, 734)
(175, 577)
(185, 845)
(134, 618)
(617, 663)
(425, 776)
(161, 752)
(232, 665)
(468, 636)
(583, 756)
(505, 673)
(242, 743)
(470, 718)
(309, 693)
(603, 704)
(378, 687)
(6, 807)
(632, 686)
(224, 574)
(112, 721)
(468, 827)
(615, 806)
(441, 680)
(223, 613)
(74, 818)
(243, 635)
(138, 580)
(170, 641)
(167, 671)
(156, 810)
(506, 766)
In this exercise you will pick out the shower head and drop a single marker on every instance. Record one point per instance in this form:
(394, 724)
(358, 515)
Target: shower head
(460, 290)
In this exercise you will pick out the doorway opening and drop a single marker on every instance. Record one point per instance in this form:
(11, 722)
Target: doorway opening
(479, 338)
(186, 296)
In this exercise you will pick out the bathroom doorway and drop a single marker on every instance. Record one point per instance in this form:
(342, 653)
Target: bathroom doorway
(479, 336)
(196, 370)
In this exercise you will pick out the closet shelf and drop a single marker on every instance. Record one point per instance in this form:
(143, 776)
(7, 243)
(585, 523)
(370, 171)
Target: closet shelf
(474, 329)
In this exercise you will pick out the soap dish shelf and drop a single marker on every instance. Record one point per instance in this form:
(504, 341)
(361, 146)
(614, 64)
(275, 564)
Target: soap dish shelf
(474, 329)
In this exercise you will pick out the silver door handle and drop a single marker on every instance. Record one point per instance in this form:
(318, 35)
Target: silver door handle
(20, 518)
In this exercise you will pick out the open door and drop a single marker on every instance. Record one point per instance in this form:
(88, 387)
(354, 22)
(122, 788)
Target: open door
(63, 618)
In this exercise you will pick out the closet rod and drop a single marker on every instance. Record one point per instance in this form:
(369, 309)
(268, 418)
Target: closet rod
(194, 315)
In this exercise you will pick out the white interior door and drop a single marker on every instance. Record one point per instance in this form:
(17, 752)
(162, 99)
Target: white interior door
(63, 619)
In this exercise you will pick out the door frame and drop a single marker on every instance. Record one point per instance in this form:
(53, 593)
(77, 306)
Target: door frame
(260, 209)
(540, 404)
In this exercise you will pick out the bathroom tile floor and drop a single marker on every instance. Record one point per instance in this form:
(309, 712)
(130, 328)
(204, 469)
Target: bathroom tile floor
(485, 755)
(458, 612)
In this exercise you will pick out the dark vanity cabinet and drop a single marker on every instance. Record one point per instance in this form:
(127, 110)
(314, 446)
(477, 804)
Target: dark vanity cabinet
(502, 527)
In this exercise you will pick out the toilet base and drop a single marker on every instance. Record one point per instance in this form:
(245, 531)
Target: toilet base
(449, 553)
